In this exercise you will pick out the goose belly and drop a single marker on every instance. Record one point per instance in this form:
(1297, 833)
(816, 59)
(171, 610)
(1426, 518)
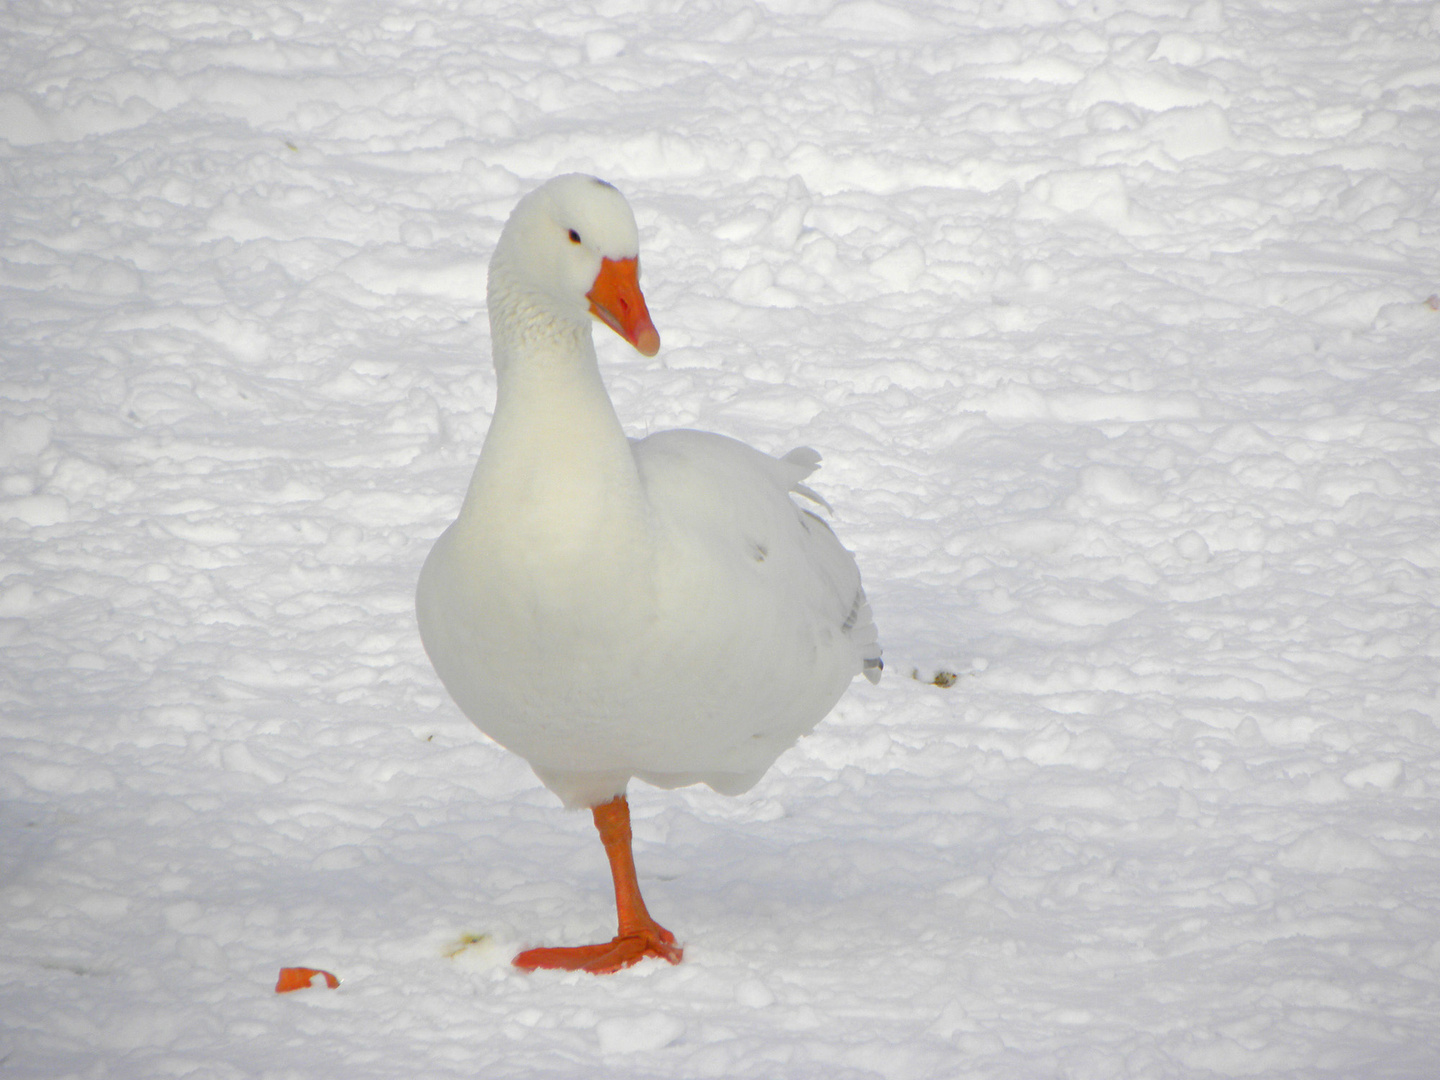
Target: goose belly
(690, 668)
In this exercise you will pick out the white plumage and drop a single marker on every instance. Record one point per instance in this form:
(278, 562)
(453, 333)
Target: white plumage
(660, 608)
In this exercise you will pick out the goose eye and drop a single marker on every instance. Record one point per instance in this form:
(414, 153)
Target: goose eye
(574, 237)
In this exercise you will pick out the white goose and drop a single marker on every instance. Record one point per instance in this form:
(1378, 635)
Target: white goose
(607, 608)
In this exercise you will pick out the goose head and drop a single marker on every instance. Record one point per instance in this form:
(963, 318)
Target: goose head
(571, 250)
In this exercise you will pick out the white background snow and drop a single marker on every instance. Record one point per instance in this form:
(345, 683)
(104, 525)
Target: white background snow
(1116, 325)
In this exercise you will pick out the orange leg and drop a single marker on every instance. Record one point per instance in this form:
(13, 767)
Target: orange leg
(640, 935)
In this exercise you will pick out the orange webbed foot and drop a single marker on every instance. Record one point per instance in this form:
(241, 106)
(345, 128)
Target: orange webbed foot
(640, 935)
(606, 957)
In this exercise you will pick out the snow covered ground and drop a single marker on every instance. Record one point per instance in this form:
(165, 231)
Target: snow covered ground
(1116, 325)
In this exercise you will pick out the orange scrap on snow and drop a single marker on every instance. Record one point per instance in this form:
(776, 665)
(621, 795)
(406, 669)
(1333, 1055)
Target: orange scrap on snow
(298, 978)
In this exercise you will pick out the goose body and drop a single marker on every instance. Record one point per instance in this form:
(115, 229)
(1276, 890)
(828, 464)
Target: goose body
(609, 608)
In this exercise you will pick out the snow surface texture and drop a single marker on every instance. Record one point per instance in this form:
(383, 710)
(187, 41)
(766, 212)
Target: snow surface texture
(1115, 323)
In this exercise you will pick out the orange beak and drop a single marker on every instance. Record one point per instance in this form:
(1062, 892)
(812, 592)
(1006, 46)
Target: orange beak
(616, 300)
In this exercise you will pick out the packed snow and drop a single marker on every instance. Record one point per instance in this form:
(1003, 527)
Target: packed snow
(1116, 325)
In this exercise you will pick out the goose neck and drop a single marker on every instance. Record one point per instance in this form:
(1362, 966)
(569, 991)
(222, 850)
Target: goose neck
(555, 452)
